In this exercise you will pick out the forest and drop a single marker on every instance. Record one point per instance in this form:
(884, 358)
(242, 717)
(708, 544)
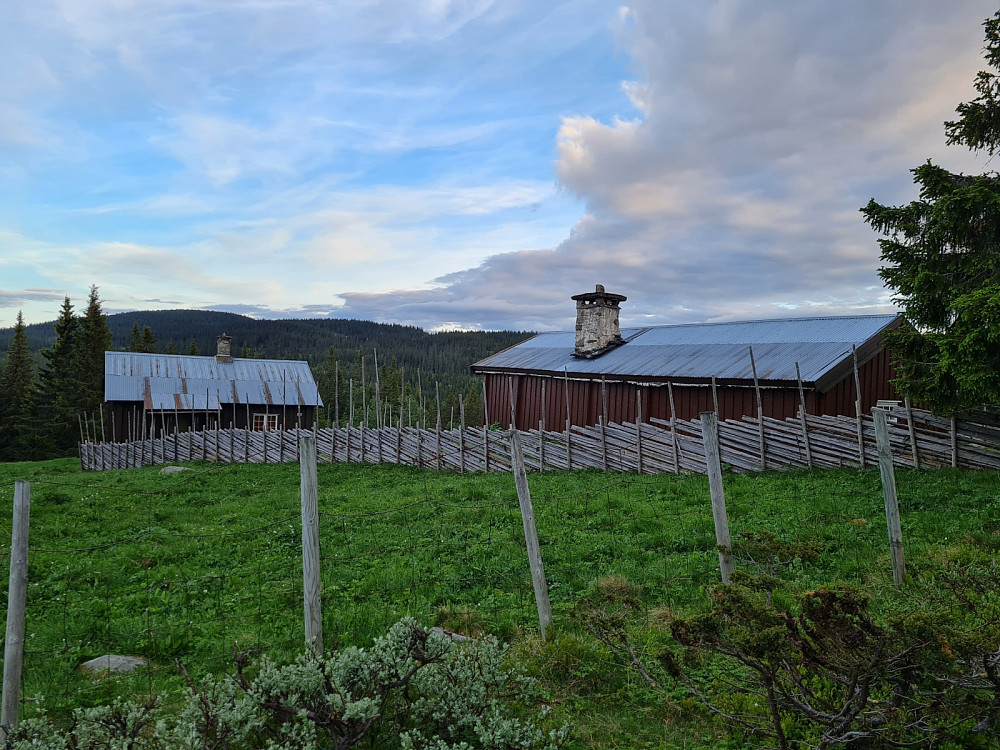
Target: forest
(53, 373)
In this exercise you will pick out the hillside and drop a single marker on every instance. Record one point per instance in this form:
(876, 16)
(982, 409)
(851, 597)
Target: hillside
(439, 354)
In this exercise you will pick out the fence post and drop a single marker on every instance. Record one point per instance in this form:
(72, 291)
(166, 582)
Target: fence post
(710, 439)
(310, 543)
(17, 593)
(760, 413)
(889, 493)
(913, 434)
(857, 410)
(530, 535)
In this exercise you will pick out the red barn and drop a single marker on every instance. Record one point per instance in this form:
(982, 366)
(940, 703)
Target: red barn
(602, 370)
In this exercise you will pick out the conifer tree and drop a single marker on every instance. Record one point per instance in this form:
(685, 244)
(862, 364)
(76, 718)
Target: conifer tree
(193, 349)
(93, 341)
(135, 339)
(58, 386)
(942, 260)
(148, 341)
(18, 441)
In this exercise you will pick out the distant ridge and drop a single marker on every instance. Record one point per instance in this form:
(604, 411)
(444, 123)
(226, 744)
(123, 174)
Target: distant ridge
(440, 354)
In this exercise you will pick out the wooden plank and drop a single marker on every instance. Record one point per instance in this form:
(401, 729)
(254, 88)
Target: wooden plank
(889, 494)
(719, 517)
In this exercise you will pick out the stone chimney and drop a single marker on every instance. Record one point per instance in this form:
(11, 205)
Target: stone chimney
(597, 323)
(224, 350)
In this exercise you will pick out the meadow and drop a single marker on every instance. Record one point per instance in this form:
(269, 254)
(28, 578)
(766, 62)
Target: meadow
(183, 568)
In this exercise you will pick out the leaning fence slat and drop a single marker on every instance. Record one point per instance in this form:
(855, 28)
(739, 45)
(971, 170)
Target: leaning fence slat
(889, 493)
(530, 535)
(721, 520)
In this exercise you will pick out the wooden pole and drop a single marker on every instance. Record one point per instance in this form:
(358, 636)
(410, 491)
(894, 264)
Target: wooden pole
(310, 543)
(802, 417)
(715, 398)
(954, 442)
(378, 393)
(638, 427)
(486, 430)
(461, 433)
(437, 399)
(760, 413)
(336, 393)
(604, 424)
(673, 429)
(364, 396)
(709, 436)
(889, 493)
(569, 443)
(913, 434)
(17, 596)
(530, 535)
(857, 410)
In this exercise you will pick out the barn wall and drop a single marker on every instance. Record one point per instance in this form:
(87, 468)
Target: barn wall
(126, 416)
(585, 399)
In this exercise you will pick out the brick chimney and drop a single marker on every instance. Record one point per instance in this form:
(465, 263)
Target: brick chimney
(224, 349)
(597, 328)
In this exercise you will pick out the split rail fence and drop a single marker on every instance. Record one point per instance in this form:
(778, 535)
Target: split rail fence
(918, 439)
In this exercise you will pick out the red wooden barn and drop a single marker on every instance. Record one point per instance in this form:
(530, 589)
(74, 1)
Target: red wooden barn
(602, 370)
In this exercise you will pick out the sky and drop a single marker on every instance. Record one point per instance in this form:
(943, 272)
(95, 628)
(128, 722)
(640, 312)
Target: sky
(468, 164)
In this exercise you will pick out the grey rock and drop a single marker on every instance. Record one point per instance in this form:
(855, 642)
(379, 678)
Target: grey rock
(173, 469)
(113, 664)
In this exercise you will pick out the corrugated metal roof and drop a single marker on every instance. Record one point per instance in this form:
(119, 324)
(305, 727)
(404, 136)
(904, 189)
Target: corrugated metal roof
(187, 382)
(700, 351)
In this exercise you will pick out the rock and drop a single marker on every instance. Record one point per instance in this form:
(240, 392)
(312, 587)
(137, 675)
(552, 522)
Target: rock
(173, 469)
(113, 664)
(457, 637)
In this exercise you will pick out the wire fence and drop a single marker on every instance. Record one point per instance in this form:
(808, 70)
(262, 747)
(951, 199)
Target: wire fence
(213, 561)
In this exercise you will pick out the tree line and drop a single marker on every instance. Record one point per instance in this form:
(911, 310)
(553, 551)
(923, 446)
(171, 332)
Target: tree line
(368, 374)
(39, 411)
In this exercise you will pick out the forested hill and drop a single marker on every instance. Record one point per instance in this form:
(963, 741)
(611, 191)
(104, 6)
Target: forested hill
(439, 354)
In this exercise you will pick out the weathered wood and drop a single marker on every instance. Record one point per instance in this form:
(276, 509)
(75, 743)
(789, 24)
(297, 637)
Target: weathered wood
(954, 441)
(311, 591)
(17, 596)
(673, 426)
(889, 494)
(715, 488)
(531, 536)
(857, 409)
(802, 417)
(760, 412)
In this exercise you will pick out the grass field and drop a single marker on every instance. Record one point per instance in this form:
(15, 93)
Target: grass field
(182, 567)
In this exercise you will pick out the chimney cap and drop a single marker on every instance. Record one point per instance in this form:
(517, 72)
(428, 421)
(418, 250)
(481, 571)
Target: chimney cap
(599, 294)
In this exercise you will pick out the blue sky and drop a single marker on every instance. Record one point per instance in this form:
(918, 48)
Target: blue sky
(467, 163)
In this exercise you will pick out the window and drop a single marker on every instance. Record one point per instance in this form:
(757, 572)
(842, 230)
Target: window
(263, 422)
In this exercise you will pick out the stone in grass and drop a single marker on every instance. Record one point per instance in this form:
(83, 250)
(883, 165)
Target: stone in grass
(173, 469)
(113, 664)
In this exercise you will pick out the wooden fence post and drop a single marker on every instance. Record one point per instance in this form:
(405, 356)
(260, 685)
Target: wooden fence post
(530, 535)
(889, 493)
(710, 439)
(802, 417)
(954, 441)
(310, 543)
(760, 413)
(17, 594)
(913, 434)
(857, 410)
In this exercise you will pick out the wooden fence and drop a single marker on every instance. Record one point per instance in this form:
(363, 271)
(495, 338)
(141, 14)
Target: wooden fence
(918, 439)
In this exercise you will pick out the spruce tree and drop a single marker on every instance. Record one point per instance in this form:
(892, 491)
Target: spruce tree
(18, 441)
(942, 260)
(58, 386)
(148, 341)
(93, 341)
(193, 349)
(135, 339)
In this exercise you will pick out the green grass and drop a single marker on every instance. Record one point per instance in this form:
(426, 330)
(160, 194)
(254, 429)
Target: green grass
(180, 568)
